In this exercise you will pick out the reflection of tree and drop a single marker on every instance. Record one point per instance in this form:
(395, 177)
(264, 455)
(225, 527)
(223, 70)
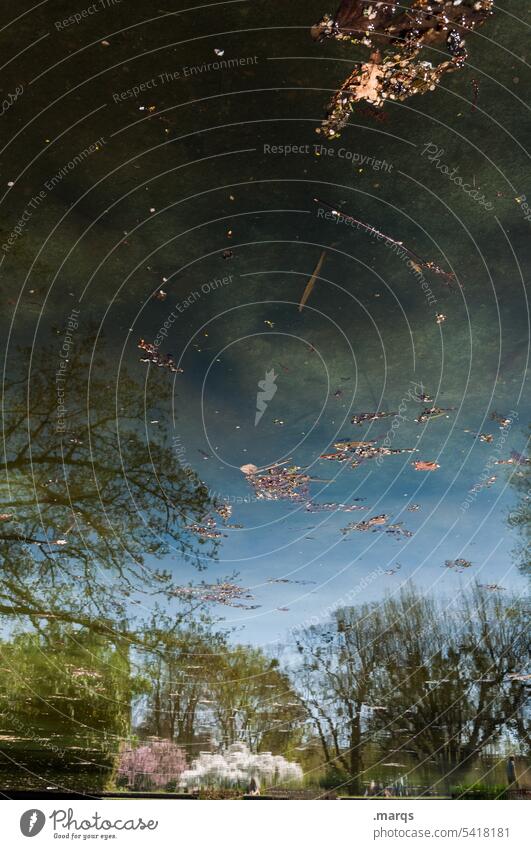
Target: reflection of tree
(416, 677)
(447, 675)
(254, 701)
(74, 684)
(337, 677)
(200, 688)
(81, 511)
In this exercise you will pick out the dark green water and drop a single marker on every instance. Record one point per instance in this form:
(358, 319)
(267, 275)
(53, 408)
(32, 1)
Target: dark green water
(119, 193)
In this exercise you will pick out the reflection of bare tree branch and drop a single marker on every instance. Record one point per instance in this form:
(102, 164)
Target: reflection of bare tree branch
(417, 676)
(82, 509)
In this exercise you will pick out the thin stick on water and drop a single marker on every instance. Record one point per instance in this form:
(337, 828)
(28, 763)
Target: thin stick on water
(311, 282)
(431, 266)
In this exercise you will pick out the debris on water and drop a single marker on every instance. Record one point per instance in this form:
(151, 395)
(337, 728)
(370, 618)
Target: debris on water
(425, 465)
(361, 418)
(278, 422)
(432, 413)
(440, 317)
(204, 455)
(218, 51)
(289, 581)
(459, 565)
(491, 587)
(312, 507)
(372, 231)
(500, 420)
(223, 592)
(397, 530)
(224, 510)
(483, 437)
(278, 482)
(311, 282)
(156, 358)
(161, 295)
(483, 484)
(356, 452)
(227, 254)
(269, 323)
(412, 508)
(393, 571)
(396, 36)
(475, 95)
(366, 525)
(515, 459)
(338, 394)
(206, 530)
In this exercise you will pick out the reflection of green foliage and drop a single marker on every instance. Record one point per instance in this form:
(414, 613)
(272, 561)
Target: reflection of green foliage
(74, 684)
(479, 791)
(81, 510)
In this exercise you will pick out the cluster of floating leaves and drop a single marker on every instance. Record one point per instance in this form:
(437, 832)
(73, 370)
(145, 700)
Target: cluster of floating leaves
(405, 30)
(458, 565)
(397, 530)
(356, 451)
(432, 413)
(313, 507)
(362, 418)
(208, 528)
(278, 482)
(367, 525)
(154, 356)
(375, 523)
(230, 595)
